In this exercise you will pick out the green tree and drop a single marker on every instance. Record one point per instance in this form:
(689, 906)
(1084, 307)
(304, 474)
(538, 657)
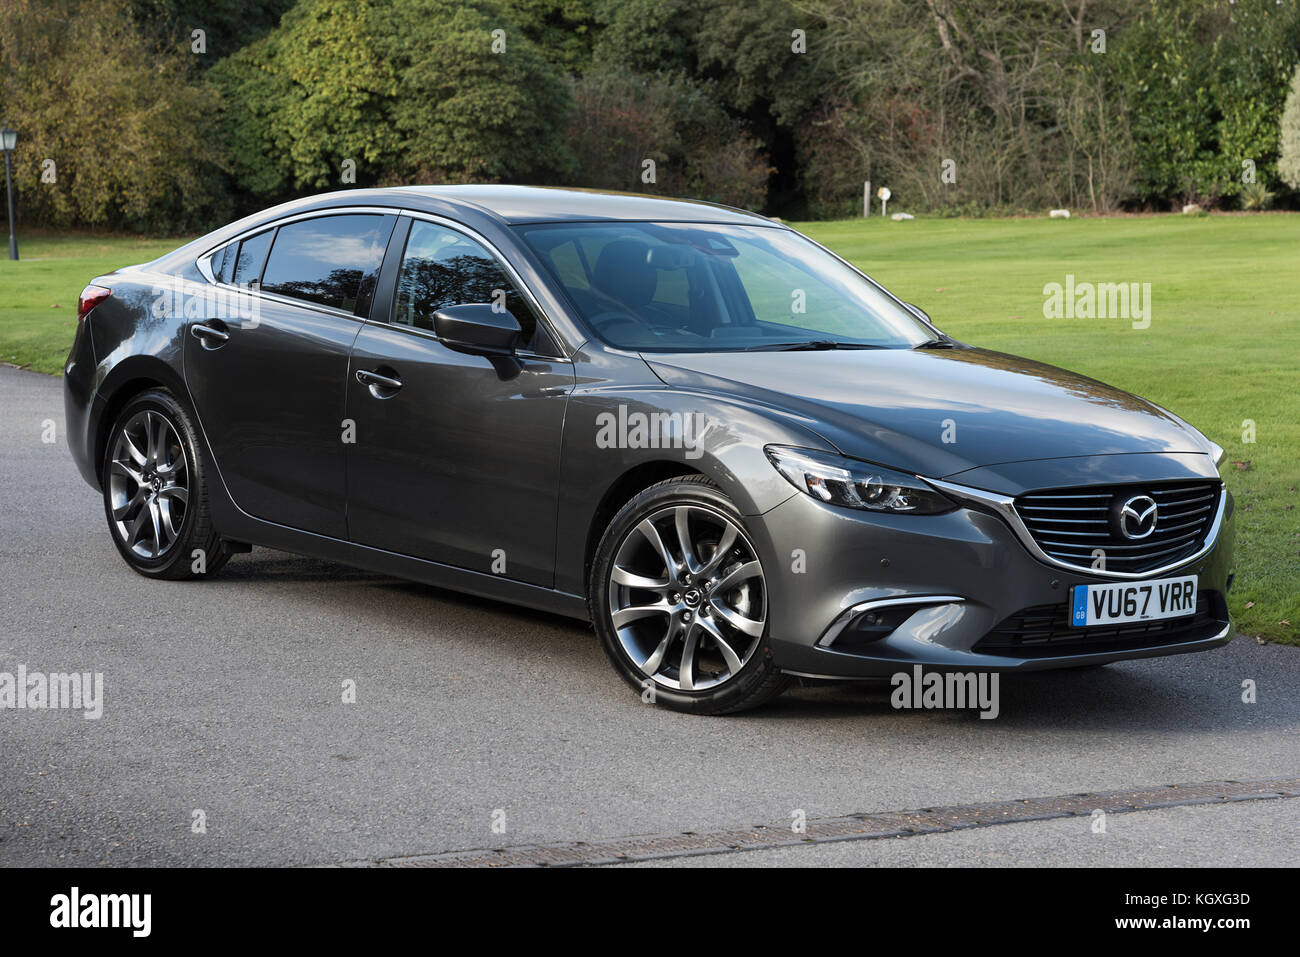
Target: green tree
(647, 36)
(408, 90)
(1252, 58)
(624, 118)
(115, 131)
(227, 25)
(1203, 85)
(564, 31)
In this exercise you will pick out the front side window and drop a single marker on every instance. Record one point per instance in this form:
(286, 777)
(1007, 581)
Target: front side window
(665, 287)
(442, 268)
(324, 260)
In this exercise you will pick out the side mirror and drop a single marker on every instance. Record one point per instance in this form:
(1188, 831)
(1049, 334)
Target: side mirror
(920, 313)
(477, 327)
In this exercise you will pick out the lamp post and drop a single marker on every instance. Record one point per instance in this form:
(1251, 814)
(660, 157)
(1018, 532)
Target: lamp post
(8, 140)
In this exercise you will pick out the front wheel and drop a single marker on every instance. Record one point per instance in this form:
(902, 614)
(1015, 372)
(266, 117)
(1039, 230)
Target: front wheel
(155, 493)
(680, 602)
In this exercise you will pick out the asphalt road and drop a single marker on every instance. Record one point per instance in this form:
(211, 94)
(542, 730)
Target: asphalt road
(225, 696)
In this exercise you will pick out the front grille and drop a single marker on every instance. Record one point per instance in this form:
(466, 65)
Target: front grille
(1072, 524)
(1044, 631)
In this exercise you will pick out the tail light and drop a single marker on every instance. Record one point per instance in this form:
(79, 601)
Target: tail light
(91, 297)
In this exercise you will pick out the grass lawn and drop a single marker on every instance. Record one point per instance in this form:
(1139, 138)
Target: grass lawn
(1223, 345)
(38, 294)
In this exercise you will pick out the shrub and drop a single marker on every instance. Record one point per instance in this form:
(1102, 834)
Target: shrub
(1256, 196)
(125, 123)
(1288, 163)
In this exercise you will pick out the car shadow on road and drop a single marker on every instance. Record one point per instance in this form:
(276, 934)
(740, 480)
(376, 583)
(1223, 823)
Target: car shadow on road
(285, 568)
(1178, 693)
(1164, 694)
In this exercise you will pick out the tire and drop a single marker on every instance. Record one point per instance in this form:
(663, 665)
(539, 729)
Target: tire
(712, 601)
(155, 491)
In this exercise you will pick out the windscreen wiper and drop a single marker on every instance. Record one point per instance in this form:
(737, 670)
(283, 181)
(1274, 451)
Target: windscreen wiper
(809, 345)
(943, 343)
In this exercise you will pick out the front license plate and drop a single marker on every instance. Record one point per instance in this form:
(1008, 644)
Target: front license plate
(1132, 601)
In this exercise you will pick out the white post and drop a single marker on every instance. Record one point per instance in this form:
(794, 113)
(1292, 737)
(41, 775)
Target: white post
(866, 199)
(884, 203)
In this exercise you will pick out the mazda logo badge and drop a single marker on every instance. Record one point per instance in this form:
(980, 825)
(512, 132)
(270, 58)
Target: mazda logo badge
(1135, 518)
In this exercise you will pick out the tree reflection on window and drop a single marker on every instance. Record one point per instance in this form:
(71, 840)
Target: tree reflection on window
(443, 268)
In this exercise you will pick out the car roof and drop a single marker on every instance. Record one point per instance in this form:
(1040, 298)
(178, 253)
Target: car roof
(544, 204)
(506, 205)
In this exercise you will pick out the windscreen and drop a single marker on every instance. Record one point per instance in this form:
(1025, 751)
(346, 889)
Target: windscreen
(670, 287)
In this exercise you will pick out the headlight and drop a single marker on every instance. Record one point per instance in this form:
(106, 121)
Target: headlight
(1217, 452)
(841, 481)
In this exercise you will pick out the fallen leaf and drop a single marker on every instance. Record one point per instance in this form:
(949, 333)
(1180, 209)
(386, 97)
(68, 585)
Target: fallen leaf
(1243, 466)
(1250, 604)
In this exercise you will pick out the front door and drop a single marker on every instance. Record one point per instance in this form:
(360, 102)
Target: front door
(456, 457)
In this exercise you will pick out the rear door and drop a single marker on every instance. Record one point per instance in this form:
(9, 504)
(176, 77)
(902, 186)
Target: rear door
(268, 382)
(460, 463)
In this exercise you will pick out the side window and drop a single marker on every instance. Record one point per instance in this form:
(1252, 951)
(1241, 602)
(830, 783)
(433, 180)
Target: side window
(324, 260)
(251, 255)
(222, 262)
(442, 267)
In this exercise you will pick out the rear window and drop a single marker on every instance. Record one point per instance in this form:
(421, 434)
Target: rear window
(324, 260)
(223, 262)
(248, 262)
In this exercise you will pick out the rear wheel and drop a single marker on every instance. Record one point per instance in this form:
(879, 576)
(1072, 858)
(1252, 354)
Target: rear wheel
(680, 602)
(155, 493)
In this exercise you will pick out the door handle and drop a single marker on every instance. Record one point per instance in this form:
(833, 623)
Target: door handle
(377, 381)
(202, 332)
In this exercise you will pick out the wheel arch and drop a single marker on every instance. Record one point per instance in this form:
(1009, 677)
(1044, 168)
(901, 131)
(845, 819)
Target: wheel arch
(729, 450)
(626, 487)
(128, 379)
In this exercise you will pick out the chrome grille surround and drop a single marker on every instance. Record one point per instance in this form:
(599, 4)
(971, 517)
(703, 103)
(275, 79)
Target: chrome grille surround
(1074, 525)
(1196, 547)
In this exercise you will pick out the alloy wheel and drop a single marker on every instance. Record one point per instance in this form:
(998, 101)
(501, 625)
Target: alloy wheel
(687, 597)
(148, 482)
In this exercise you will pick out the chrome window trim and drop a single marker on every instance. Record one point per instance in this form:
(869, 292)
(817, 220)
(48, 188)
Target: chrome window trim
(204, 262)
(304, 303)
(296, 217)
(1005, 506)
(849, 614)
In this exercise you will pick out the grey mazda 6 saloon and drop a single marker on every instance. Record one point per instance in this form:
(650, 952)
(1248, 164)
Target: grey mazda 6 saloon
(735, 454)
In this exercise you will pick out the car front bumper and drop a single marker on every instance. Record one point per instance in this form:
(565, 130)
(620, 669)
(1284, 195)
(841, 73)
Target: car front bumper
(952, 588)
